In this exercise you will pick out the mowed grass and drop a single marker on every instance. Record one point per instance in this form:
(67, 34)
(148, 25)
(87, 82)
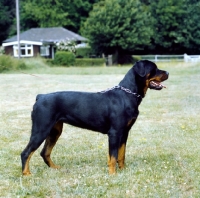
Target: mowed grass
(163, 150)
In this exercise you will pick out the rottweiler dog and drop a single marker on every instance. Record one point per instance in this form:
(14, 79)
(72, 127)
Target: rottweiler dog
(111, 112)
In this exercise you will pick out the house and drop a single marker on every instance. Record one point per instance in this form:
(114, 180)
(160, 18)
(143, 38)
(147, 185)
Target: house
(40, 41)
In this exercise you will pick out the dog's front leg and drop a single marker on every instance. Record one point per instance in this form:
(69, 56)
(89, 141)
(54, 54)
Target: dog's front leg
(114, 141)
(122, 150)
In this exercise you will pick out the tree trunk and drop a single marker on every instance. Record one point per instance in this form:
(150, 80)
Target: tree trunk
(116, 57)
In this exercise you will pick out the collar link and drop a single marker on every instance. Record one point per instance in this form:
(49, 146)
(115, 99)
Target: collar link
(124, 89)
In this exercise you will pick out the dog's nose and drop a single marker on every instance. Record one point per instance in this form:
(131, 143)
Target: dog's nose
(166, 75)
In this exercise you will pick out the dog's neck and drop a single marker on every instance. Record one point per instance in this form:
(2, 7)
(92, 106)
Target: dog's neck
(131, 82)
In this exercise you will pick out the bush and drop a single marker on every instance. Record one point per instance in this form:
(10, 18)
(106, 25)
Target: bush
(7, 63)
(49, 62)
(64, 58)
(84, 62)
(83, 52)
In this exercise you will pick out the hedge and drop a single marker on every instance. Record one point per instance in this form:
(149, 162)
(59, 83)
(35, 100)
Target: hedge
(64, 58)
(84, 62)
(83, 52)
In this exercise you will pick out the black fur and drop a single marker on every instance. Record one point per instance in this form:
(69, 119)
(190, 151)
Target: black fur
(112, 112)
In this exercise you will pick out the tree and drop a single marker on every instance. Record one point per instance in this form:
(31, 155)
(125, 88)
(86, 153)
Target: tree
(177, 27)
(7, 13)
(170, 34)
(53, 13)
(118, 27)
(191, 26)
(78, 12)
(45, 13)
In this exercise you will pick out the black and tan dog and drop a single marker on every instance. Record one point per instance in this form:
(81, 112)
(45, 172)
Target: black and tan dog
(112, 112)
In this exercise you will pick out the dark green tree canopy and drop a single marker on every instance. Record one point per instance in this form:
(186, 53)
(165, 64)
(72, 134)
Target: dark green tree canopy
(191, 26)
(114, 26)
(169, 33)
(54, 13)
(7, 15)
(45, 13)
(176, 26)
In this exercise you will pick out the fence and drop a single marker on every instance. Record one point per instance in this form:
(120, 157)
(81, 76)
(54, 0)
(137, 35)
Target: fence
(168, 58)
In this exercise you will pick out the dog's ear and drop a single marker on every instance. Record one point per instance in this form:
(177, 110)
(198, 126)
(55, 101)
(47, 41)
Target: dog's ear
(139, 68)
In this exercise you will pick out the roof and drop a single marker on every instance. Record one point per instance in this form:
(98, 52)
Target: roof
(52, 35)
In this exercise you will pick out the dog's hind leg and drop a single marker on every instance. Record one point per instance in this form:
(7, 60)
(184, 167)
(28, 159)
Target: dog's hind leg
(34, 143)
(50, 143)
(25, 157)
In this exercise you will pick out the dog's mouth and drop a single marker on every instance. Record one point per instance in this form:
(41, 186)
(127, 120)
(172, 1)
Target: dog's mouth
(156, 85)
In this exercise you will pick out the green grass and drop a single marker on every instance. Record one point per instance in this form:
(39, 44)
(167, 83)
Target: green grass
(163, 152)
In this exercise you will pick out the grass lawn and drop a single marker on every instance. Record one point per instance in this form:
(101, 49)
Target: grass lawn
(163, 149)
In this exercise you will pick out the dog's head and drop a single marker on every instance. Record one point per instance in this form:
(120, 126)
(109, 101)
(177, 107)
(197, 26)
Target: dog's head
(150, 76)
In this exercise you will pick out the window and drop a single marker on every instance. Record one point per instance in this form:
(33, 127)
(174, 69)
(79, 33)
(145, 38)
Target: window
(26, 50)
(44, 50)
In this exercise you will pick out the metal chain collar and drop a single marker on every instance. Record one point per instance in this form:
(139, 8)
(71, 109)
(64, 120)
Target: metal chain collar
(122, 88)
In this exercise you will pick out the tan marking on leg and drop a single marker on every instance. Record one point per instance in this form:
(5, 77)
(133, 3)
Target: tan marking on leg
(26, 170)
(121, 156)
(59, 126)
(112, 165)
(49, 144)
(48, 148)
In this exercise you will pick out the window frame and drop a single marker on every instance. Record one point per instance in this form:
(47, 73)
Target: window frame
(26, 50)
(44, 48)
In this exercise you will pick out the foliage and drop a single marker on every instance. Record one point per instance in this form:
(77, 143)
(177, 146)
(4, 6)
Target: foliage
(9, 63)
(121, 26)
(64, 58)
(169, 34)
(50, 13)
(66, 45)
(83, 52)
(176, 26)
(191, 26)
(115, 26)
(87, 62)
(45, 13)
(7, 14)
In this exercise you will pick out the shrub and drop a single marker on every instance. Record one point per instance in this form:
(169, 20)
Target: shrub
(49, 62)
(9, 63)
(84, 62)
(83, 52)
(64, 58)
